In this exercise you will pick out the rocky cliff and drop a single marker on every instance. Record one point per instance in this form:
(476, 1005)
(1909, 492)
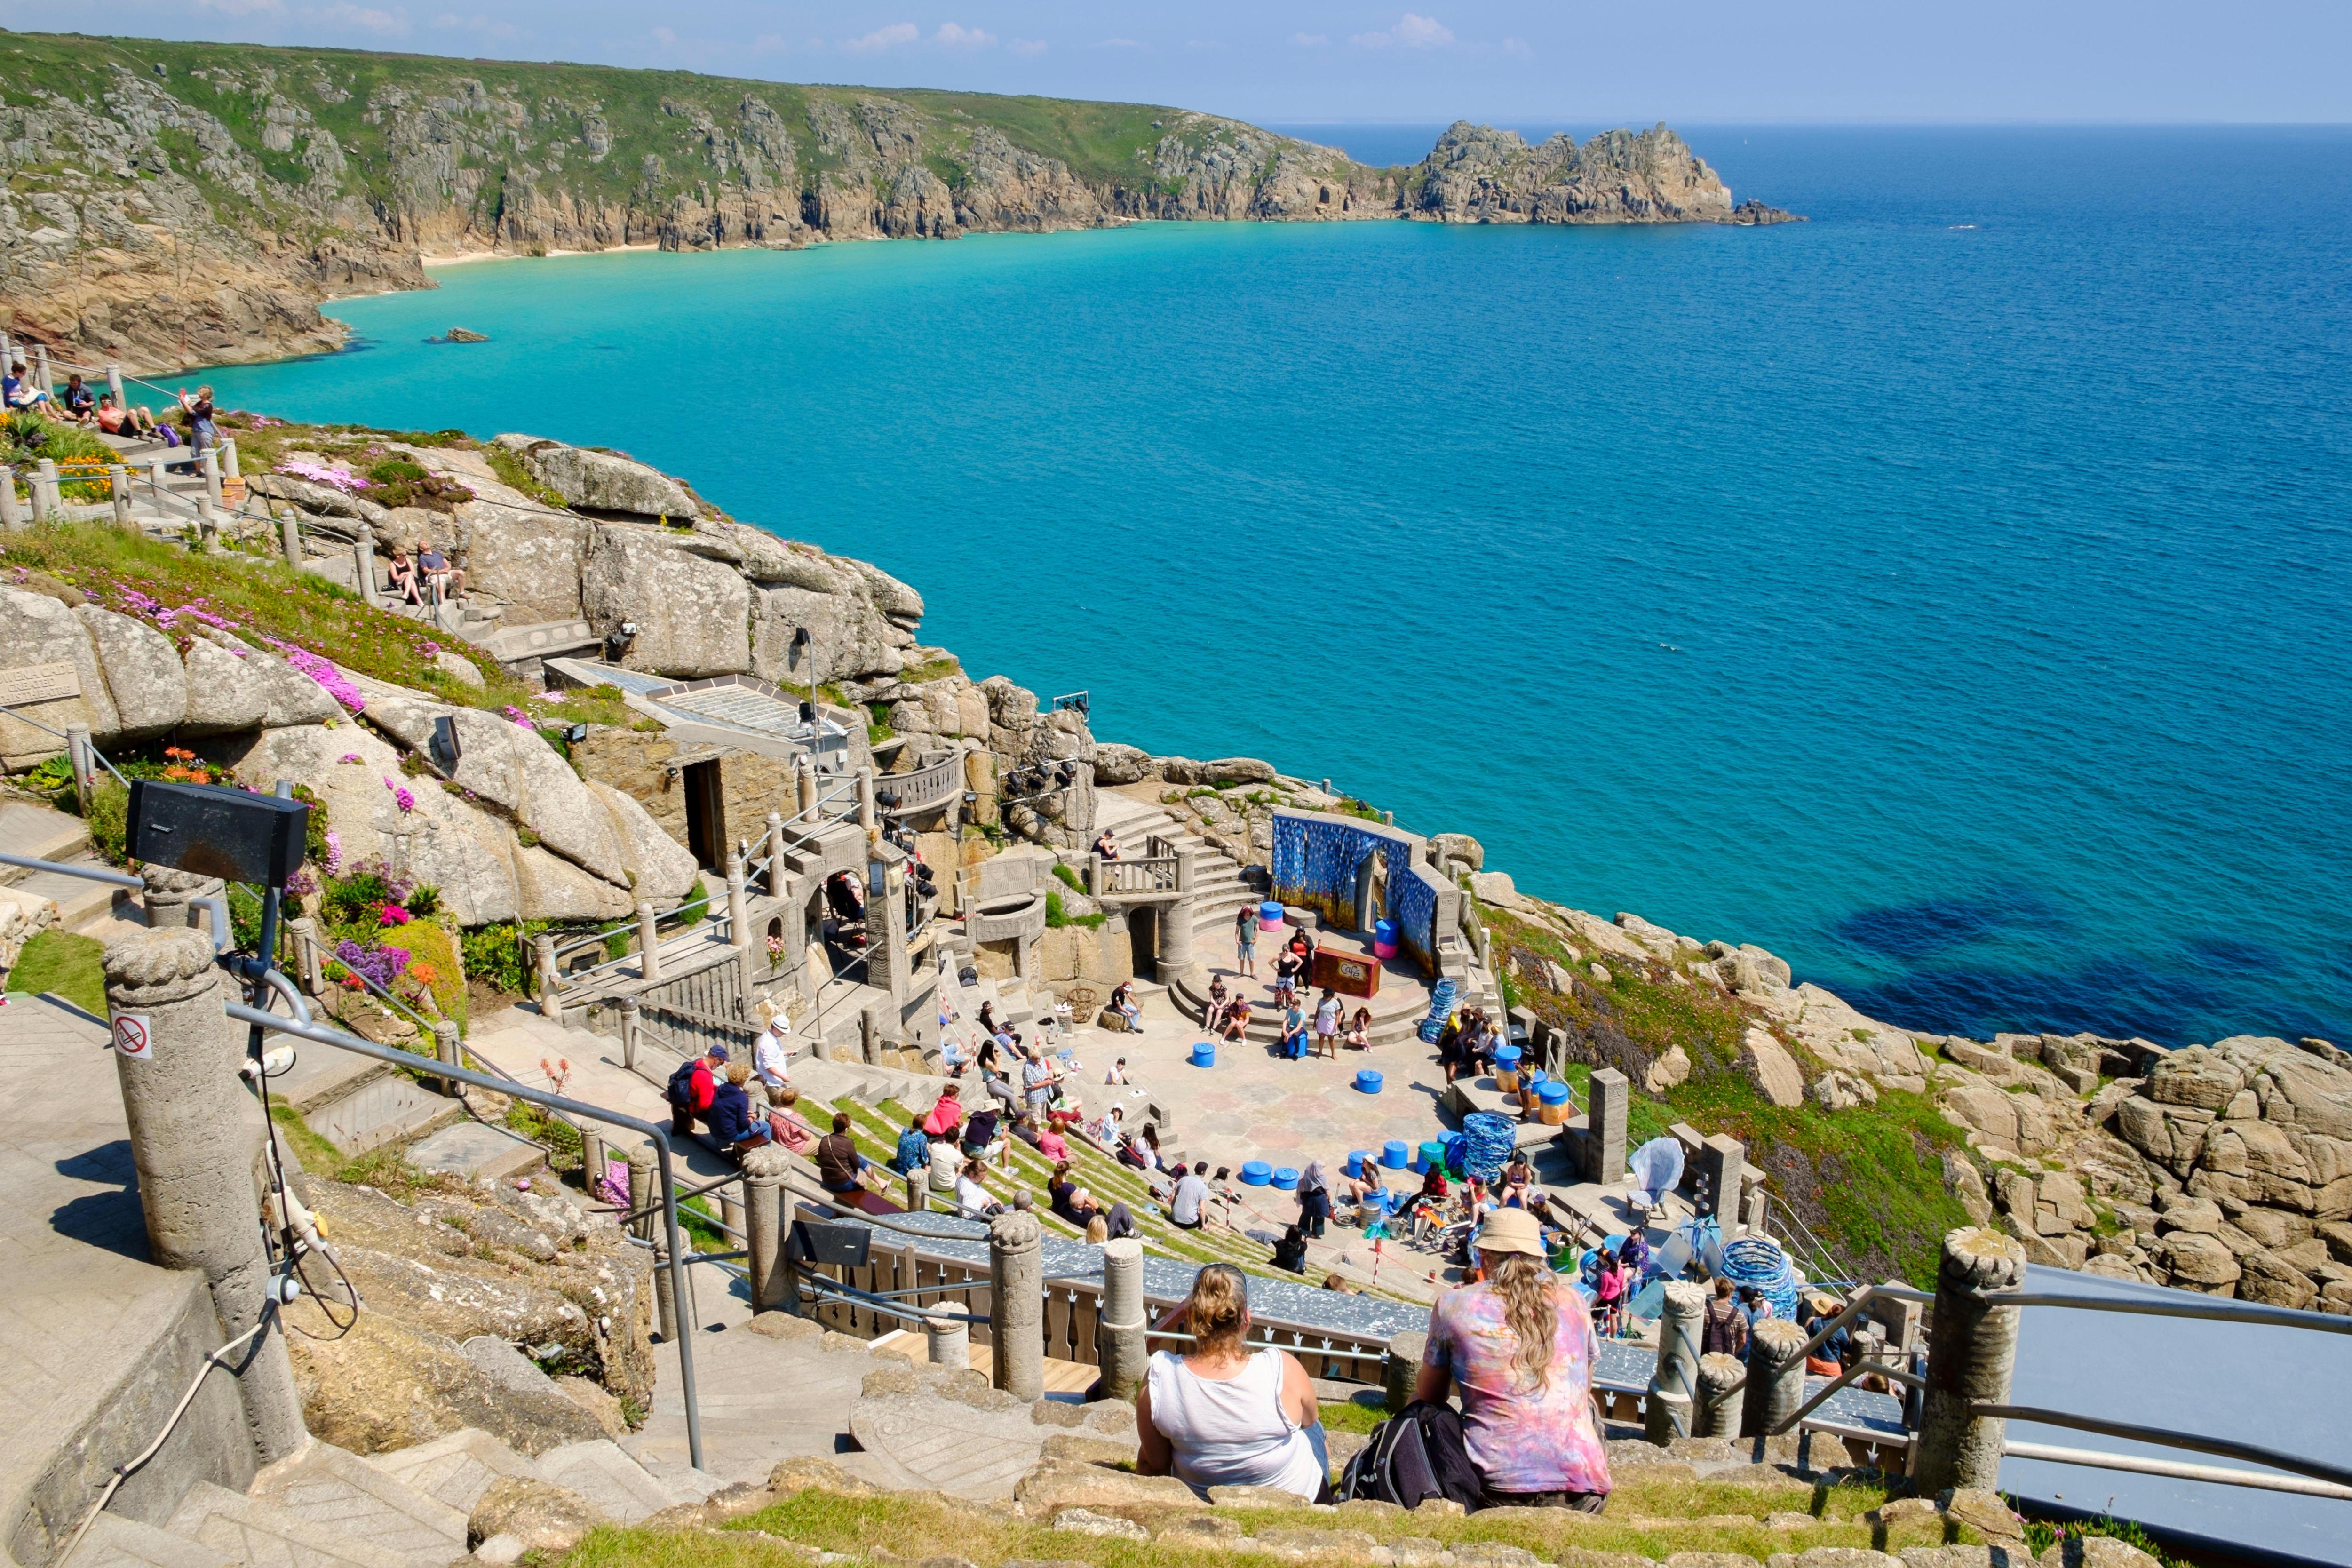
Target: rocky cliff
(174, 204)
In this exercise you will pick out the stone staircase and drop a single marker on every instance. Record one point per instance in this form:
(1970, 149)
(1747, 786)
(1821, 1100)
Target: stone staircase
(326, 1507)
(38, 833)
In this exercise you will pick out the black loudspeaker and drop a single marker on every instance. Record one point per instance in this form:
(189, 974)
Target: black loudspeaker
(214, 831)
(824, 1241)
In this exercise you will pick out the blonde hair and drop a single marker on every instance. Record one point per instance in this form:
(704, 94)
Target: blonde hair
(1097, 1230)
(1217, 1310)
(1531, 1310)
(739, 1074)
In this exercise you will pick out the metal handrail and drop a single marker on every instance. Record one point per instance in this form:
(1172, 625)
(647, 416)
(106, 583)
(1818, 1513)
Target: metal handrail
(2175, 1470)
(2228, 1448)
(2227, 1312)
(659, 1137)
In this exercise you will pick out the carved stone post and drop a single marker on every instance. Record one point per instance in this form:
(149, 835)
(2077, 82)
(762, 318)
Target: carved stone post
(302, 932)
(805, 787)
(10, 517)
(950, 1342)
(1969, 1362)
(551, 979)
(1604, 1121)
(446, 1048)
(117, 489)
(194, 1136)
(289, 538)
(1717, 1409)
(632, 1025)
(866, 818)
(1674, 1387)
(1400, 1369)
(46, 497)
(1776, 1376)
(1016, 1280)
(649, 942)
(775, 854)
(1120, 1332)
(363, 559)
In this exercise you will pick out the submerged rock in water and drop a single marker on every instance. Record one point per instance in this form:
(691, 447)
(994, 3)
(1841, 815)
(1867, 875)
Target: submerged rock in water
(460, 335)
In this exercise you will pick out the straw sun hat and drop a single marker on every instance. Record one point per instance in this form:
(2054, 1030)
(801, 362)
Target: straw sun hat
(1511, 1230)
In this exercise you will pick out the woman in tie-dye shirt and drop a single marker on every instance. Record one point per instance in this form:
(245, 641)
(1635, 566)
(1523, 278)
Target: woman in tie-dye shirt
(1521, 1347)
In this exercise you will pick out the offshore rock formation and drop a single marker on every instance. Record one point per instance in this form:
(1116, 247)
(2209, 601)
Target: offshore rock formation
(178, 203)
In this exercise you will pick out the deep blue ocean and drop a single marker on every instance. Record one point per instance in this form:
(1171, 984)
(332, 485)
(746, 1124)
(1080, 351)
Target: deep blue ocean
(1949, 594)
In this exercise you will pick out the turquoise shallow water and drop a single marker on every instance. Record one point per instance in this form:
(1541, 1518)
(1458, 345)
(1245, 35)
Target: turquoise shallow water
(1948, 593)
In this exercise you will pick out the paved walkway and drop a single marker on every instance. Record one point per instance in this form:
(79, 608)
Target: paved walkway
(80, 1303)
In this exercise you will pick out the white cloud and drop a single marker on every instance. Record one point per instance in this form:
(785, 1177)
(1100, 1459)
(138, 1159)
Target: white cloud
(1310, 40)
(1519, 46)
(888, 37)
(665, 37)
(1412, 32)
(242, 8)
(1119, 44)
(768, 44)
(1027, 48)
(366, 17)
(963, 37)
(476, 24)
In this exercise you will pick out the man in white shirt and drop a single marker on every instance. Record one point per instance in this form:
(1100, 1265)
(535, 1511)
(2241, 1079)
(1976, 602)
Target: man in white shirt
(771, 1052)
(1192, 1191)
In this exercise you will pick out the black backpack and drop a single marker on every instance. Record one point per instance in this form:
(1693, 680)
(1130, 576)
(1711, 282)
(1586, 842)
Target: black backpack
(1413, 1456)
(681, 1087)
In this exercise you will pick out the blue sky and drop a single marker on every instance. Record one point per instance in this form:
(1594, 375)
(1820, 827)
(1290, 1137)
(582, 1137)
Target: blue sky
(1522, 61)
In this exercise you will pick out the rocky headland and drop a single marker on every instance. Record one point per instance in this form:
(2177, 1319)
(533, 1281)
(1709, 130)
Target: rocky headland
(187, 203)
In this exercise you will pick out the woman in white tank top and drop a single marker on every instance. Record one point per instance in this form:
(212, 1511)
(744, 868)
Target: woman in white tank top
(1222, 1417)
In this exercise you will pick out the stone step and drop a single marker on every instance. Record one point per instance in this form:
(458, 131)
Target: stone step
(263, 1535)
(38, 833)
(356, 1102)
(336, 1490)
(456, 1469)
(605, 1475)
(80, 904)
(114, 1541)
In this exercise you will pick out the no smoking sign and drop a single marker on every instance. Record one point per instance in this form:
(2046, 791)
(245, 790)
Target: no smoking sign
(131, 1037)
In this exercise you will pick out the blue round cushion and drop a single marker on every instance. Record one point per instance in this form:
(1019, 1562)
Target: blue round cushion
(1257, 1173)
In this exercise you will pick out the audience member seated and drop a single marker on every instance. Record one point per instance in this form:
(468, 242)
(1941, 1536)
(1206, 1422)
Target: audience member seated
(78, 405)
(1123, 1005)
(980, 1136)
(443, 579)
(784, 1123)
(839, 1165)
(974, 1200)
(914, 1152)
(1107, 844)
(400, 576)
(1221, 1415)
(18, 389)
(1290, 1252)
(1237, 1020)
(1185, 1205)
(1520, 1348)
(946, 1115)
(729, 1126)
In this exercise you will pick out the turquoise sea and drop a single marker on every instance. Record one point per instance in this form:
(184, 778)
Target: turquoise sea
(1949, 594)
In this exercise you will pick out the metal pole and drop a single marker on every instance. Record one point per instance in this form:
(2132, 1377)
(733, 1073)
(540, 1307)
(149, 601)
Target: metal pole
(1972, 1355)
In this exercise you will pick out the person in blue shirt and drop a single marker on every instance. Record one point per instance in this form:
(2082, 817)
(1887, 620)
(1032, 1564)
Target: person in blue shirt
(914, 1149)
(732, 1128)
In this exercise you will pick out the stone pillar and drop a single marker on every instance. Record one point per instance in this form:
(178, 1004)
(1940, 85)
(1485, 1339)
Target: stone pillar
(1401, 1368)
(41, 368)
(228, 460)
(1722, 1162)
(591, 1157)
(738, 907)
(117, 489)
(289, 538)
(9, 516)
(885, 932)
(915, 1180)
(775, 854)
(46, 494)
(1716, 1410)
(867, 818)
(302, 934)
(648, 941)
(170, 896)
(1119, 1333)
(1776, 1376)
(1175, 954)
(1604, 1121)
(77, 756)
(194, 1136)
(950, 1342)
(645, 1194)
(1754, 1207)
(446, 1049)
(363, 559)
(1016, 1281)
(1971, 1358)
(804, 788)
(114, 382)
(155, 485)
(550, 1001)
(629, 1009)
(211, 469)
(731, 1214)
(644, 1181)
(1674, 1387)
(766, 1209)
